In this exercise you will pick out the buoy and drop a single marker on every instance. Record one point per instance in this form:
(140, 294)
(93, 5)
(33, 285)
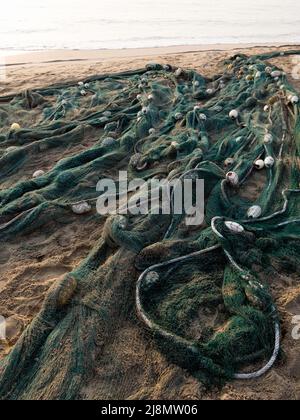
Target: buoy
(269, 162)
(80, 84)
(150, 98)
(254, 212)
(232, 178)
(268, 70)
(81, 208)
(258, 75)
(174, 145)
(203, 117)
(268, 139)
(196, 83)
(259, 164)
(38, 173)
(294, 99)
(15, 127)
(229, 162)
(266, 108)
(234, 227)
(209, 91)
(83, 92)
(197, 108)
(233, 114)
(87, 85)
(152, 131)
(276, 74)
(178, 72)
(151, 278)
(145, 110)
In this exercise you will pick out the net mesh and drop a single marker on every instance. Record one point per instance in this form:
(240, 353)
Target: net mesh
(202, 292)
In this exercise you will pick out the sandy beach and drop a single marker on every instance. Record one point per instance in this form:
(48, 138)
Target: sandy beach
(26, 276)
(31, 70)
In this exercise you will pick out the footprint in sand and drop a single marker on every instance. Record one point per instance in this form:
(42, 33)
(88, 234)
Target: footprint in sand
(14, 328)
(46, 273)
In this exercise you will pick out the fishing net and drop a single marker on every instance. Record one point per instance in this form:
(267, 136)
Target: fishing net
(202, 292)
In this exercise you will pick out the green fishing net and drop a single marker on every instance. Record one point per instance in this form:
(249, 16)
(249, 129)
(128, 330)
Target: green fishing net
(202, 293)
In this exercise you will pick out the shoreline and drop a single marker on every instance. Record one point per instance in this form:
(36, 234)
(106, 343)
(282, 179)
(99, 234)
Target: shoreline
(61, 56)
(32, 70)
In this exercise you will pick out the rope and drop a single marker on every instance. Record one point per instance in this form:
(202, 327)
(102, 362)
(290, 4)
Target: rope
(269, 365)
(273, 359)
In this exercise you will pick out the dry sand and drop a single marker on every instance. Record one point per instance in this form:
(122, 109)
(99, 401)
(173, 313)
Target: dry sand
(28, 269)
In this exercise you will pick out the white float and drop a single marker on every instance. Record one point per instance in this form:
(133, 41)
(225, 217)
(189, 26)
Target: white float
(232, 178)
(178, 72)
(254, 212)
(276, 73)
(259, 164)
(269, 162)
(151, 278)
(209, 91)
(229, 161)
(234, 227)
(81, 208)
(38, 173)
(294, 99)
(15, 127)
(234, 114)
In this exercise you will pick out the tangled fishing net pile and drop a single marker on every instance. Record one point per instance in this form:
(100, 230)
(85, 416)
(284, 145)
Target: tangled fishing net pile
(158, 122)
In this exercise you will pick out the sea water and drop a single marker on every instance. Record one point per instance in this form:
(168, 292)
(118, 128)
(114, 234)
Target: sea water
(105, 24)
